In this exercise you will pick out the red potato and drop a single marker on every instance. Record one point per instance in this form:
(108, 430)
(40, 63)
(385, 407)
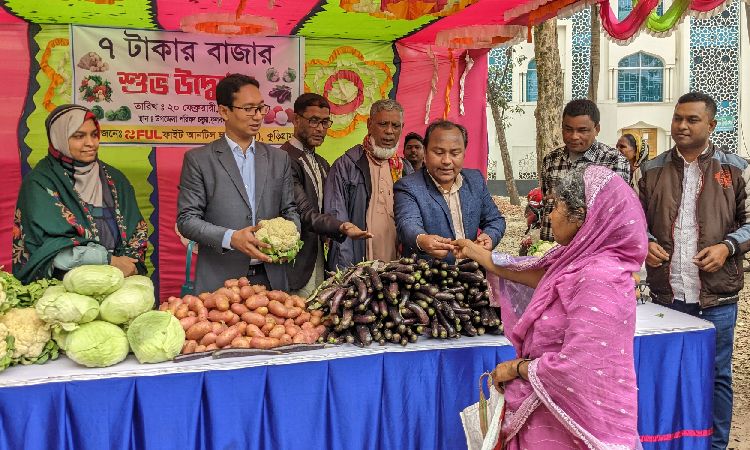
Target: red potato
(204, 296)
(227, 336)
(231, 282)
(310, 336)
(304, 317)
(217, 328)
(252, 331)
(262, 310)
(189, 347)
(200, 348)
(254, 318)
(198, 330)
(307, 326)
(320, 329)
(222, 303)
(289, 302)
(192, 314)
(277, 319)
(235, 319)
(265, 343)
(174, 304)
(277, 308)
(271, 319)
(233, 296)
(240, 342)
(208, 339)
(327, 322)
(188, 322)
(241, 326)
(316, 313)
(267, 328)
(292, 331)
(285, 340)
(259, 288)
(196, 304)
(246, 292)
(227, 346)
(164, 307)
(239, 309)
(243, 282)
(293, 312)
(235, 289)
(190, 300)
(279, 296)
(210, 302)
(315, 320)
(299, 339)
(220, 316)
(277, 331)
(256, 301)
(300, 302)
(212, 347)
(288, 323)
(202, 314)
(181, 312)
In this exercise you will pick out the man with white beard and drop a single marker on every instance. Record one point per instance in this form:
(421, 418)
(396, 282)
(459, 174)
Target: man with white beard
(359, 188)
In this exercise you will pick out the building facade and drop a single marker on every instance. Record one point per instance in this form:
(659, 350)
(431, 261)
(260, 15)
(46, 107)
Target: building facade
(639, 84)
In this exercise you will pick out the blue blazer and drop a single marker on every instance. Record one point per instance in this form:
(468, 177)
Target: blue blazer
(420, 208)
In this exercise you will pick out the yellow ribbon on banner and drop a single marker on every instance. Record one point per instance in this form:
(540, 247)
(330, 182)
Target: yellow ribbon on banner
(56, 78)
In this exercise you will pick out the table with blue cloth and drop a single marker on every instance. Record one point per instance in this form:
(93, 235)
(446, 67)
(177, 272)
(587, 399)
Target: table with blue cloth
(378, 397)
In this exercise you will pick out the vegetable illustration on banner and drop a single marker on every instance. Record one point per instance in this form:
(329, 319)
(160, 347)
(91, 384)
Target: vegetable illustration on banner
(159, 87)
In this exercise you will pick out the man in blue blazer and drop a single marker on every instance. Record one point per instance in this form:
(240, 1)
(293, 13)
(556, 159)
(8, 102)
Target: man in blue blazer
(442, 201)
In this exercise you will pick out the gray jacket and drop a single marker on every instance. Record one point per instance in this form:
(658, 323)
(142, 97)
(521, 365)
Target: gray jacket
(346, 197)
(213, 199)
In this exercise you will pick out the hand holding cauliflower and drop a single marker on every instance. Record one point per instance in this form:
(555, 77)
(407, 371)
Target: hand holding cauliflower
(282, 236)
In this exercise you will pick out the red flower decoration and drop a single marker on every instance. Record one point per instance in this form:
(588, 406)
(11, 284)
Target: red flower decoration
(85, 209)
(76, 243)
(124, 235)
(111, 183)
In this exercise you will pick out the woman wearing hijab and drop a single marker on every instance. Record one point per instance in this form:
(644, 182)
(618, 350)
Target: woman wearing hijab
(571, 317)
(628, 146)
(74, 209)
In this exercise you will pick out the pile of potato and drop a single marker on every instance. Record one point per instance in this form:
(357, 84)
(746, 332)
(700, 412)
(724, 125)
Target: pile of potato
(243, 316)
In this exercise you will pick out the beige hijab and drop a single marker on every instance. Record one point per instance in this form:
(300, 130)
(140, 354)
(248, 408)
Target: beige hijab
(62, 123)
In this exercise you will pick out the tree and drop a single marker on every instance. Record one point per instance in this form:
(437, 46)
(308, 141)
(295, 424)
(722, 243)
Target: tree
(549, 105)
(596, 26)
(499, 82)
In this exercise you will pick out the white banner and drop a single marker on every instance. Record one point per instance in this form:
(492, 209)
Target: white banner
(159, 87)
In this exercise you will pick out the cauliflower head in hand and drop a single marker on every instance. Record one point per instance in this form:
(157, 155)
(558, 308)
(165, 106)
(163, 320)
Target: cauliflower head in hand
(283, 237)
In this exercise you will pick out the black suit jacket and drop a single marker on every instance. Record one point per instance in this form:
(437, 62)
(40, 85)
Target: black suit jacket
(314, 223)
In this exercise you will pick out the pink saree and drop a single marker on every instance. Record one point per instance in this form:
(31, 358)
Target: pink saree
(578, 328)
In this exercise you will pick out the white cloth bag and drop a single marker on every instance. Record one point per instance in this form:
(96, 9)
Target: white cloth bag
(481, 421)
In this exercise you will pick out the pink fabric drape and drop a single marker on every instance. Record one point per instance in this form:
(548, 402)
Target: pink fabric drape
(578, 328)
(13, 90)
(414, 87)
(630, 25)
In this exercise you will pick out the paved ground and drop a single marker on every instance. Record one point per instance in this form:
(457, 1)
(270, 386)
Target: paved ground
(740, 437)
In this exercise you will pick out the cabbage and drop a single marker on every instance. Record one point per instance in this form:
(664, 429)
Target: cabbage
(97, 344)
(139, 279)
(66, 309)
(60, 336)
(127, 303)
(94, 281)
(156, 336)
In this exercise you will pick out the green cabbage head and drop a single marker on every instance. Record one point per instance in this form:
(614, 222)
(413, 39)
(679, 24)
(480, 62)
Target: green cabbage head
(156, 336)
(97, 344)
(94, 281)
(66, 309)
(139, 279)
(127, 303)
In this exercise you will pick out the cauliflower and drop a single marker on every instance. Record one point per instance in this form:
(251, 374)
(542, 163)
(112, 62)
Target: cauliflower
(543, 248)
(6, 347)
(283, 236)
(30, 334)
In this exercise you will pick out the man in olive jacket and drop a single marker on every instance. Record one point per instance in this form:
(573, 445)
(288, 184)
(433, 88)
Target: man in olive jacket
(698, 216)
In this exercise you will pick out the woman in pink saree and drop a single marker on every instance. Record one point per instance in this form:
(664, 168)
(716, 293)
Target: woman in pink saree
(571, 317)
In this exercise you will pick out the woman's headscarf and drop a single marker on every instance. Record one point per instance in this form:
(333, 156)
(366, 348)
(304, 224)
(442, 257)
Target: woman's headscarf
(61, 124)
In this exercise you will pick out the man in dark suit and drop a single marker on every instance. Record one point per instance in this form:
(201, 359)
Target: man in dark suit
(442, 201)
(312, 118)
(228, 186)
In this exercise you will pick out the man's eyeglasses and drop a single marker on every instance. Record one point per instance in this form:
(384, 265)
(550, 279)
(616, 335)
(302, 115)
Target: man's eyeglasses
(253, 110)
(314, 122)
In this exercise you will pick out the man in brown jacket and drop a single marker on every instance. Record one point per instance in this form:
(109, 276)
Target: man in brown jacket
(698, 215)
(312, 118)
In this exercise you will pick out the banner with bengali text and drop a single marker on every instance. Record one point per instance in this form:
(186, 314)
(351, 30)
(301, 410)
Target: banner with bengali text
(159, 87)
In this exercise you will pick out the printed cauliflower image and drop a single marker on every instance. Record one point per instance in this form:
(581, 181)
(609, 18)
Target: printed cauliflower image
(283, 237)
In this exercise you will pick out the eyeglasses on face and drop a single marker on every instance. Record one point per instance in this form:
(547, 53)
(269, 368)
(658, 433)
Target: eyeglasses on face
(314, 122)
(253, 110)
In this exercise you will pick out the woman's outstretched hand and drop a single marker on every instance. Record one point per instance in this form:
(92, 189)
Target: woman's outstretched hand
(464, 248)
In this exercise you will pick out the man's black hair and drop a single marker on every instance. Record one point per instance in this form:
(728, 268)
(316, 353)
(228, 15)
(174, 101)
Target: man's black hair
(582, 107)
(309, 99)
(692, 97)
(445, 125)
(413, 135)
(230, 85)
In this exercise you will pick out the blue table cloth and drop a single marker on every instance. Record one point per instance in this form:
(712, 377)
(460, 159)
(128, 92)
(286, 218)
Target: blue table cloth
(375, 398)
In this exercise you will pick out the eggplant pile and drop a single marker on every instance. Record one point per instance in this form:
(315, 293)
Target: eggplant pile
(402, 300)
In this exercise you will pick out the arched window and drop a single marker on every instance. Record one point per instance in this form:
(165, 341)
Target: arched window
(625, 6)
(532, 90)
(640, 78)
